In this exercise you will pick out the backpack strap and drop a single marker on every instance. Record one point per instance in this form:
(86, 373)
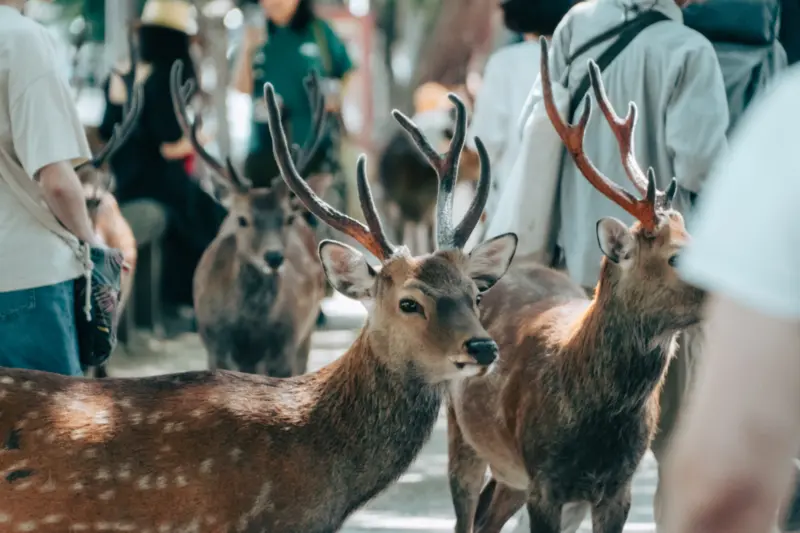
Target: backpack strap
(321, 38)
(627, 32)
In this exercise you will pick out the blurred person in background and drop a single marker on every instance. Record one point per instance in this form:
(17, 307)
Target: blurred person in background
(41, 139)
(728, 467)
(507, 80)
(156, 162)
(282, 47)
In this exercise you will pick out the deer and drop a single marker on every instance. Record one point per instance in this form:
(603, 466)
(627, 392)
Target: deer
(408, 181)
(259, 284)
(572, 406)
(109, 225)
(297, 454)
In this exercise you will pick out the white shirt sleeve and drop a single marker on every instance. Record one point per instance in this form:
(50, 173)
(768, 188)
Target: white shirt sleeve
(747, 232)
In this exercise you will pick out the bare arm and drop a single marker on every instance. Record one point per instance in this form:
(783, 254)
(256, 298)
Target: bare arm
(64, 195)
(243, 72)
(729, 466)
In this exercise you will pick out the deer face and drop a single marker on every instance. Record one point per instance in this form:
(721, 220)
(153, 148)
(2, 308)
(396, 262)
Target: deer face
(263, 219)
(645, 264)
(426, 307)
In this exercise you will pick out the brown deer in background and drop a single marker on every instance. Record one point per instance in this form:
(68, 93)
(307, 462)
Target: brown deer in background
(296, 455)
(110, 226)
(407, 179)
(259, 285)
(573, 405)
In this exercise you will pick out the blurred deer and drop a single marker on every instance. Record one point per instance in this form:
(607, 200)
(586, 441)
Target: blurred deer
(259, 285)
(110, 226)
(407, 178)
(224, 451)
(573, 406)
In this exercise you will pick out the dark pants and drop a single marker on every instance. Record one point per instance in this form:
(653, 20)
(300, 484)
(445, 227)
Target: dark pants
(37, 329)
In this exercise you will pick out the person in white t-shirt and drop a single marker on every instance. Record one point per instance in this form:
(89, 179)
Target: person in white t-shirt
(729, 465)
(41, 138)
(507, 79)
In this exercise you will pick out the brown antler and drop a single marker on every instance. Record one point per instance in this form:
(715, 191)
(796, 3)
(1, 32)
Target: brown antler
(446, 167)
(643, 210)
(372, 236)
(181, 94)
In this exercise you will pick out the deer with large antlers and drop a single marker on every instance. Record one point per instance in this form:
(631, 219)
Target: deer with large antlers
(293, 455)
(573, 405)
(259, 284)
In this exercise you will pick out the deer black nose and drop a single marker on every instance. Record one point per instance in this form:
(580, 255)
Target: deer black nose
(274, 259)
(483, 350)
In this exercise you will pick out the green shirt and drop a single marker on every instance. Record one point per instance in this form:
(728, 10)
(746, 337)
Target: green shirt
(285, 60)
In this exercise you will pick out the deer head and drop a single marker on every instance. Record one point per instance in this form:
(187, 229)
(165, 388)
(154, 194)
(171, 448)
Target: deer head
(639, 263)
(423, 310)
(261, 218)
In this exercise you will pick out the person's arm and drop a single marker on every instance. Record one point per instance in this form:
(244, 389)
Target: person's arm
(47, 133)
(243, 68)
(730, 462)
(696, 119)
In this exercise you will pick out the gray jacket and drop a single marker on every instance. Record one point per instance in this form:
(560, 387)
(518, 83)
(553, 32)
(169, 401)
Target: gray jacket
(672, 74)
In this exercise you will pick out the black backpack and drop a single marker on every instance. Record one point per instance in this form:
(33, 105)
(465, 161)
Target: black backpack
(745, 36)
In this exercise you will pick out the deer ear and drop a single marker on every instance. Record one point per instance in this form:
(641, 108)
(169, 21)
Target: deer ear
(490, 260)
(347, 269)
(615, 239)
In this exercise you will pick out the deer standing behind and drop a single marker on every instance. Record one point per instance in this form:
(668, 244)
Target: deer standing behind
(294, 455)
(109, 225)
(573, 405)
(259, 285)
(408, 182)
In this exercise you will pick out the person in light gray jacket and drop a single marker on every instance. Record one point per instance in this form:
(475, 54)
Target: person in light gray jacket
(672, 74)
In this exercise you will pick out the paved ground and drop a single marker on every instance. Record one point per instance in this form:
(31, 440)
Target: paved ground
(420, 502)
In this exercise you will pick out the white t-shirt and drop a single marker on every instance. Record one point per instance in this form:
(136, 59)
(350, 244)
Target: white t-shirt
(507, 80)
(39, 125)
(746, 239)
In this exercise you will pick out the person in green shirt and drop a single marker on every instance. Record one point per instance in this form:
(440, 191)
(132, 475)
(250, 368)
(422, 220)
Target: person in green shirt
(295, 42)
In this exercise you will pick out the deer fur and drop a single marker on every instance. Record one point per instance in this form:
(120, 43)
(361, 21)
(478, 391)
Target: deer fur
(251, 316)
(222, 451)
(259, 285)
(573, 405)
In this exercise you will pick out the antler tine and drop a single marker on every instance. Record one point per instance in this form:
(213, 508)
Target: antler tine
(375, 242)
(122, 131)
(473, 214)
(446, 167)
(573, 137)
(314, 141)
(181, 94)
(623, 129)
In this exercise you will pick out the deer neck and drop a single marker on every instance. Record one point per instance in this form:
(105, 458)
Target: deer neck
(623, 350)
(253, 280)
(379, 416)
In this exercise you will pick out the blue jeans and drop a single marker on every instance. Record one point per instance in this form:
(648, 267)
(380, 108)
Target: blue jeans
(37, 329)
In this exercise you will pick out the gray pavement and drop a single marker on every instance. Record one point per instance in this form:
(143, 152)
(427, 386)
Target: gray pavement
(420, 501)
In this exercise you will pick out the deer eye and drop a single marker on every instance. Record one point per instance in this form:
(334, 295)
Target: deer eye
(243, 223)
(409, 306)
(673, 261)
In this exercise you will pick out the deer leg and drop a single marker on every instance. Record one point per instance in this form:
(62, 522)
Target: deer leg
(408, 236)
(505, 502)
(610, 514)
(301, 358)
(544, 517)
(466, 472)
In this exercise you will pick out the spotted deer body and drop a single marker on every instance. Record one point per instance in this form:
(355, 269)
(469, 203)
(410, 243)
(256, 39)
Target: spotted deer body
(259, 285)
(573, 405)
(222, 451)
